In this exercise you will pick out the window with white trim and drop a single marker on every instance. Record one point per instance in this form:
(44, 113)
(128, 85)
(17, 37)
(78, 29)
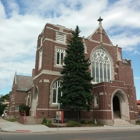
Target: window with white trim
(16, 108)
(60, 37)
(41, 40)
(56, 93)
(60, 54)
(40, 59)
(101, 66)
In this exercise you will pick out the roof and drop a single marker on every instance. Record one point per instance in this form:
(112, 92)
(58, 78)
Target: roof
(138, 102)
(124, 61)
(100, 35)
(24, 82)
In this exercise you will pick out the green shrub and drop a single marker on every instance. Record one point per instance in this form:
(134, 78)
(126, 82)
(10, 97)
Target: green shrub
(46, 122)
(82, 121)
(91, 122)
(138, 122)
(73, 124)
(23, 108)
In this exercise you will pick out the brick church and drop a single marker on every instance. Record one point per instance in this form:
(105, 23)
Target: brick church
(113, 84)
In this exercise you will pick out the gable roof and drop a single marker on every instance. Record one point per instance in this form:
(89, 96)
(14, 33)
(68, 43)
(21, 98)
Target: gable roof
(24, 83)
(99, 35)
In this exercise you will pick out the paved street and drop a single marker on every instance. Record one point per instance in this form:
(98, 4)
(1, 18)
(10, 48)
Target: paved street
(83, 135)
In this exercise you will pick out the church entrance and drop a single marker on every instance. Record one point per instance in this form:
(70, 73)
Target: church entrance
(120, 105)
(116, 107)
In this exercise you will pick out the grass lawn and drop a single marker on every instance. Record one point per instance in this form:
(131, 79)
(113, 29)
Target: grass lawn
(12, 119)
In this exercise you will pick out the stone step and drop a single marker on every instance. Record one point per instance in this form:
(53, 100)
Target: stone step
(120, 122)
(31, 120)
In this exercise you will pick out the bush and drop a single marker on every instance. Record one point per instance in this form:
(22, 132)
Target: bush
(23, 108)
(82, 121)
(91, 122)
(46, 122)
(73, 124)
(2, 108)
(138, 122)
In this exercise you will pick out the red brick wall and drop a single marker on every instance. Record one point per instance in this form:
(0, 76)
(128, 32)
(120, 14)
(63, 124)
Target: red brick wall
(123, 79)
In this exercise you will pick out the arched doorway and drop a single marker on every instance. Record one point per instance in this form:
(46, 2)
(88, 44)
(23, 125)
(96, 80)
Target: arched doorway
(116, 107)
(120, 105)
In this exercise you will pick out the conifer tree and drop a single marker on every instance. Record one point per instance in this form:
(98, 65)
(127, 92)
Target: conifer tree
(76, 80)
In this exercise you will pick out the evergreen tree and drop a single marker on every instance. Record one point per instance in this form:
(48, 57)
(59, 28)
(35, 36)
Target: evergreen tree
(76, 80)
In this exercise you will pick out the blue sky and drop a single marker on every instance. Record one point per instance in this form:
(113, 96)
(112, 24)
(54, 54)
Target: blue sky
(21, 21)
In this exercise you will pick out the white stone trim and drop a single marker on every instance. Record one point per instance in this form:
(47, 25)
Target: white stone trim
(45, 109)
(60, 36)
(101, 110)
(99, 86)
(60, 27)
(47, 39)
(49, 72)
(46, 81)
(96, 100)
(85, 46)
(101, 93)
(132, 111)
(67, 109)
(119, 87)
(100, 42)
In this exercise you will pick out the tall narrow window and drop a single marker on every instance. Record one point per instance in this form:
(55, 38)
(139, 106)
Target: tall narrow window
(60, 54)
(40, 59)
(41, 40)
(101, 67)
(56, 93)
(96, 101)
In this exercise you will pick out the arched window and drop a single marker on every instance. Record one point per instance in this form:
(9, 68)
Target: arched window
(56, 93)
(101, 66)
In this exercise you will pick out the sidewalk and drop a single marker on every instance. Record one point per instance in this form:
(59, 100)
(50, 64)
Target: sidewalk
(7, 126)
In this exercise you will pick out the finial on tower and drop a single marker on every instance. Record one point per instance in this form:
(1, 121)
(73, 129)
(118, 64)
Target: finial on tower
(100, 20)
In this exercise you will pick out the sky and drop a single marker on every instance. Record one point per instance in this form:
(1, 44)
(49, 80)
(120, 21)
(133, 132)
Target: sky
(21, 21)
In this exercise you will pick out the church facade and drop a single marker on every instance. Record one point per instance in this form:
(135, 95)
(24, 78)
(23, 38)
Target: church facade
(113, 84)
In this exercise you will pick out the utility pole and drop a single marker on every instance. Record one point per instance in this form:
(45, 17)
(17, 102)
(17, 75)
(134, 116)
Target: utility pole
(58, 115)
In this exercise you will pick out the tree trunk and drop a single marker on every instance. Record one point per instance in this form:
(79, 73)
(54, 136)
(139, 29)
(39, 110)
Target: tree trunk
(78, 116)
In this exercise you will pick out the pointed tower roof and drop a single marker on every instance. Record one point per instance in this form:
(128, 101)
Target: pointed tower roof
(99, 35)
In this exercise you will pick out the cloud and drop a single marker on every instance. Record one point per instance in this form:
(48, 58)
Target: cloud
(127, 41)
(137, 78)
(22, 21)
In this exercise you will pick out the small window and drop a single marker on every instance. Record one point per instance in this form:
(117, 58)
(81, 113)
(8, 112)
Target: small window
(96, 101)
(41, 40)
(40, 60)
(60, 54)
(60, 37)
(16, 108)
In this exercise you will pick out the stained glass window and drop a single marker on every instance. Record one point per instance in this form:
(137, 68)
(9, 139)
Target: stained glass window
(101, 67)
